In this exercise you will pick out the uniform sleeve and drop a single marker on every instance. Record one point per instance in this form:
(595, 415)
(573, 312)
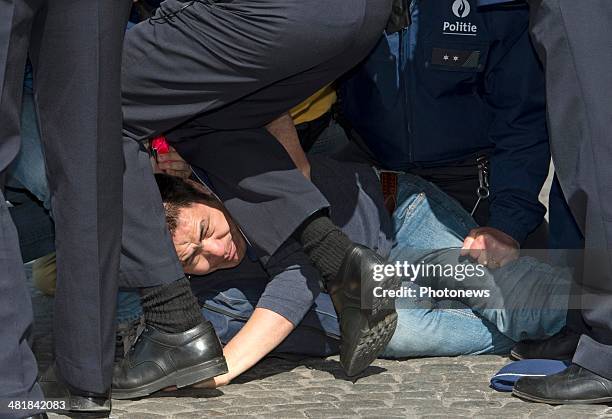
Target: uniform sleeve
(515, 90)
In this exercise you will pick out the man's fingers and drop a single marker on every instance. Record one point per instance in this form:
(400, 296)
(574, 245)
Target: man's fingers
(484, 258)
(478, 248)
(467, 244)
(475, 253)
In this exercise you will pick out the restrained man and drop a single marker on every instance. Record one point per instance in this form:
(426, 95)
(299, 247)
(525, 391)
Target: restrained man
(237, 294)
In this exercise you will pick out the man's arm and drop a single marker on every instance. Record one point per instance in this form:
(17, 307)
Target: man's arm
(284, 131)
(263, 332)
(288, 296)
(519, 163)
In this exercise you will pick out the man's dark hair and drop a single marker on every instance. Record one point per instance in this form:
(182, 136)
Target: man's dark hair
(177, 194)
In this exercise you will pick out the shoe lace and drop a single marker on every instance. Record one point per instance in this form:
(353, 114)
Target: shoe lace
(127, 335)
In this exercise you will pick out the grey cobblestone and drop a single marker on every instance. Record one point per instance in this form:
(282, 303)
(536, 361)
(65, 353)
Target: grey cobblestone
(382, 413)
(365, 403)
(330, 413)
(304, 406)
(314, 388)
(286, 414)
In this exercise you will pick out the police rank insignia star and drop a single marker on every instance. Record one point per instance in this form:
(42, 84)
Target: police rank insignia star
(455, 57)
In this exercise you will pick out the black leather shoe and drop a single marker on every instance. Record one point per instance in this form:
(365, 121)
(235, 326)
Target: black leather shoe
(561, 346)
(366, 323)
(76, 401)
(575, 385)
(158, 360)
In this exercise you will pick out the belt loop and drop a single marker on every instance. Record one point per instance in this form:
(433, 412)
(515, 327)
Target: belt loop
(388, 181)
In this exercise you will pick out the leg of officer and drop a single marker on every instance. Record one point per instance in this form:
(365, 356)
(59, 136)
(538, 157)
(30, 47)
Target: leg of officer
(76, 56)
(18, 368)
(256, 170)
(575, 42)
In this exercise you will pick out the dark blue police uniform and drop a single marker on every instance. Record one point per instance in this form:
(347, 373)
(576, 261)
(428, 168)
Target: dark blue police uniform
(460, 82)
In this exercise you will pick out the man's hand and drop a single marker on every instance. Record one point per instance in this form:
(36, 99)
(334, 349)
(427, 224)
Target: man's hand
(171, 163)
(218, 381)
(490, 247)
(263, 332)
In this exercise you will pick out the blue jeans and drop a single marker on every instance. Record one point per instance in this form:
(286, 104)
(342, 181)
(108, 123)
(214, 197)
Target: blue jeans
(35, 227)
(28, 168)
(425, 220)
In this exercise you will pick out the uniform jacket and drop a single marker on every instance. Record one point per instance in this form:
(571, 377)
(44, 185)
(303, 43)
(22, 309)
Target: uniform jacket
(461, 81)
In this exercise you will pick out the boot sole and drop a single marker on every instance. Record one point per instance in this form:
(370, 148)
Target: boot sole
(83, 412)
(518, 357)
(556, 402)
(179, 378)
(364, 341)
(368, 339)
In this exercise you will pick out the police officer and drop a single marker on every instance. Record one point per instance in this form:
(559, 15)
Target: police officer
(458, 98)
(80, 116)
(574, 40)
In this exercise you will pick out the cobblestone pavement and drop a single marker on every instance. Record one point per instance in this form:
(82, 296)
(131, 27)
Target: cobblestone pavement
(317, 388)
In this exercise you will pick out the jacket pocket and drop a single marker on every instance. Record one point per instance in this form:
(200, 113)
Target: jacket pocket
(451, 69)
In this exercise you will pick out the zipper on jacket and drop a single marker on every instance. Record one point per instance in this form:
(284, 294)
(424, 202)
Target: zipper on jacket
(408, 101)
(410, 92)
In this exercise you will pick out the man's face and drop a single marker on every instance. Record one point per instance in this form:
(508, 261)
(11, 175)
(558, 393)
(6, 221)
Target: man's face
(207, 239)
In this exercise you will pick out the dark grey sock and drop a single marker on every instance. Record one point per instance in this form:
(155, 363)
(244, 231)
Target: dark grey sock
(325, 244)
(171, 308)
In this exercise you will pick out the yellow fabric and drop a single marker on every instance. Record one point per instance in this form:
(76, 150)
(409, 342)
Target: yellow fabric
(315, 106)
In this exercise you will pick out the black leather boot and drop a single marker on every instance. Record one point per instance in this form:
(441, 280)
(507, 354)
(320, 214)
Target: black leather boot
(366, 323)
(158, 360)
(75, 400)
(575, 385)
(561, 346)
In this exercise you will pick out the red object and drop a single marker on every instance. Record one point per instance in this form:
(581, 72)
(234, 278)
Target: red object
(160, 145)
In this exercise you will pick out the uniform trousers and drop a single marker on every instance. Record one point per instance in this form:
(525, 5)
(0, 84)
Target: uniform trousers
(574, 41)
(75, 50)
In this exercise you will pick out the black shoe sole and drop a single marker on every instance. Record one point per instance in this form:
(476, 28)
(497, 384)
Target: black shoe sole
(180, 378)
(518, 357)
(82, 414)
(365, 340)
(532, 398)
